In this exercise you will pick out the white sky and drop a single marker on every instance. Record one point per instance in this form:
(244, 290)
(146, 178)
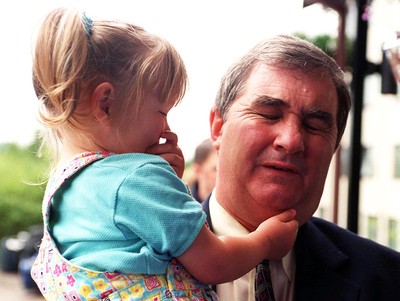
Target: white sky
(209, 34)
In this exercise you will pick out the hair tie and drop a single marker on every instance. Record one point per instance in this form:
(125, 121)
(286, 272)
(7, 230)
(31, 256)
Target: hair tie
(87, 24)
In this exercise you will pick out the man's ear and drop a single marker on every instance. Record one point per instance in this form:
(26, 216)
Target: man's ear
(216, 125)
(103, 98)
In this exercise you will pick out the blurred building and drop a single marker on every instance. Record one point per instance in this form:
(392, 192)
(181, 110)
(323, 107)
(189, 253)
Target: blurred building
(379, 188)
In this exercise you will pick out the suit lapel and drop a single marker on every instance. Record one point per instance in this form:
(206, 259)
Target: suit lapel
(319, 268)
(206, 209)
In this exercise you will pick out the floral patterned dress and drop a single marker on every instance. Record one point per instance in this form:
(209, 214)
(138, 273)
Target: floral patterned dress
(60, 280)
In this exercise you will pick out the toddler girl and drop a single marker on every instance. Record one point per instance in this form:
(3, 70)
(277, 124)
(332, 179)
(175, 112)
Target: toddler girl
(119, 222)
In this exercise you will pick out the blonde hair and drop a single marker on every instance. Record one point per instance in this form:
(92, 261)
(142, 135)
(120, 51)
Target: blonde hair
(74, 54)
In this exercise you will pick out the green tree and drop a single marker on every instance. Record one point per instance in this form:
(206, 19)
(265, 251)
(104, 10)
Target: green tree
(22, 187)
(329, 44)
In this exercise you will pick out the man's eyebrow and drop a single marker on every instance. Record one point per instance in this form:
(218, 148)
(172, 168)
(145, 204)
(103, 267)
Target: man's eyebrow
(320, 114)
(265, 100)
(314, 112)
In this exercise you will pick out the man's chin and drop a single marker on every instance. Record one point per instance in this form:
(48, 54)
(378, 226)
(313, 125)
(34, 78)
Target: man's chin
(279, 198)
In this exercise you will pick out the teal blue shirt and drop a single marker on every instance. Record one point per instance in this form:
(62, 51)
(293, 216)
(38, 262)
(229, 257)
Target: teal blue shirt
(126, 213)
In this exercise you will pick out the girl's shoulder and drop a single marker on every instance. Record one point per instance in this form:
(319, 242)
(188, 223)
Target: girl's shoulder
(133, 164)
(130, 160)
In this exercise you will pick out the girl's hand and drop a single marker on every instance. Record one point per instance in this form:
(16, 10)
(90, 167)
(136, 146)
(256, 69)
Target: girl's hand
(170, 152)
(280, 231)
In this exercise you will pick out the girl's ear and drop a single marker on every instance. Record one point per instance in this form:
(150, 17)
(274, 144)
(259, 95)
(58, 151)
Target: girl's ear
(103, 99)
(216, 127)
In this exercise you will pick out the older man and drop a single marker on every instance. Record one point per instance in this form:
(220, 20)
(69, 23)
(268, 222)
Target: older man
(277, 121)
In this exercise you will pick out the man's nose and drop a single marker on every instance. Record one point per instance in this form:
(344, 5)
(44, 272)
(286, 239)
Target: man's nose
(290, 137)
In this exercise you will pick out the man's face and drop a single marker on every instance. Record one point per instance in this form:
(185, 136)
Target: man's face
(275, 145)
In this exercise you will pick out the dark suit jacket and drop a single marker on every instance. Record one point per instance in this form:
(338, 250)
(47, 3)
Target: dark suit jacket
(333, 264)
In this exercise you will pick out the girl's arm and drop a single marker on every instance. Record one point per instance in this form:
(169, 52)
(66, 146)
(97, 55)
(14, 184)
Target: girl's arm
(216, 260)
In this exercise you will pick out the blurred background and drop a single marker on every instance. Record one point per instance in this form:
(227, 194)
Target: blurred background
(363, 187)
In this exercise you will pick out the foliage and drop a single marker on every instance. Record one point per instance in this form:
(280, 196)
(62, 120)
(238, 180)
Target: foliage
(21, 191)
(329, 45)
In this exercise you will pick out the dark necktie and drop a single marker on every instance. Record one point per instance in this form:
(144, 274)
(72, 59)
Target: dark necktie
(263, 284)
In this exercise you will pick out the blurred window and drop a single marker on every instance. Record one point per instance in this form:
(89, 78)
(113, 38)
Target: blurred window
(372, 227)
(393, 233)
(397, 161)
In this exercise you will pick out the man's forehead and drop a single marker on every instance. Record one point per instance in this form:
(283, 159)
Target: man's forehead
(272, 85)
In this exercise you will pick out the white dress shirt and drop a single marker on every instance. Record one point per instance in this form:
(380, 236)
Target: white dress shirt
(242, 289)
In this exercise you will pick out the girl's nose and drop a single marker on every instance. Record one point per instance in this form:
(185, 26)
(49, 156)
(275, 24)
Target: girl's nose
(166, 126)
